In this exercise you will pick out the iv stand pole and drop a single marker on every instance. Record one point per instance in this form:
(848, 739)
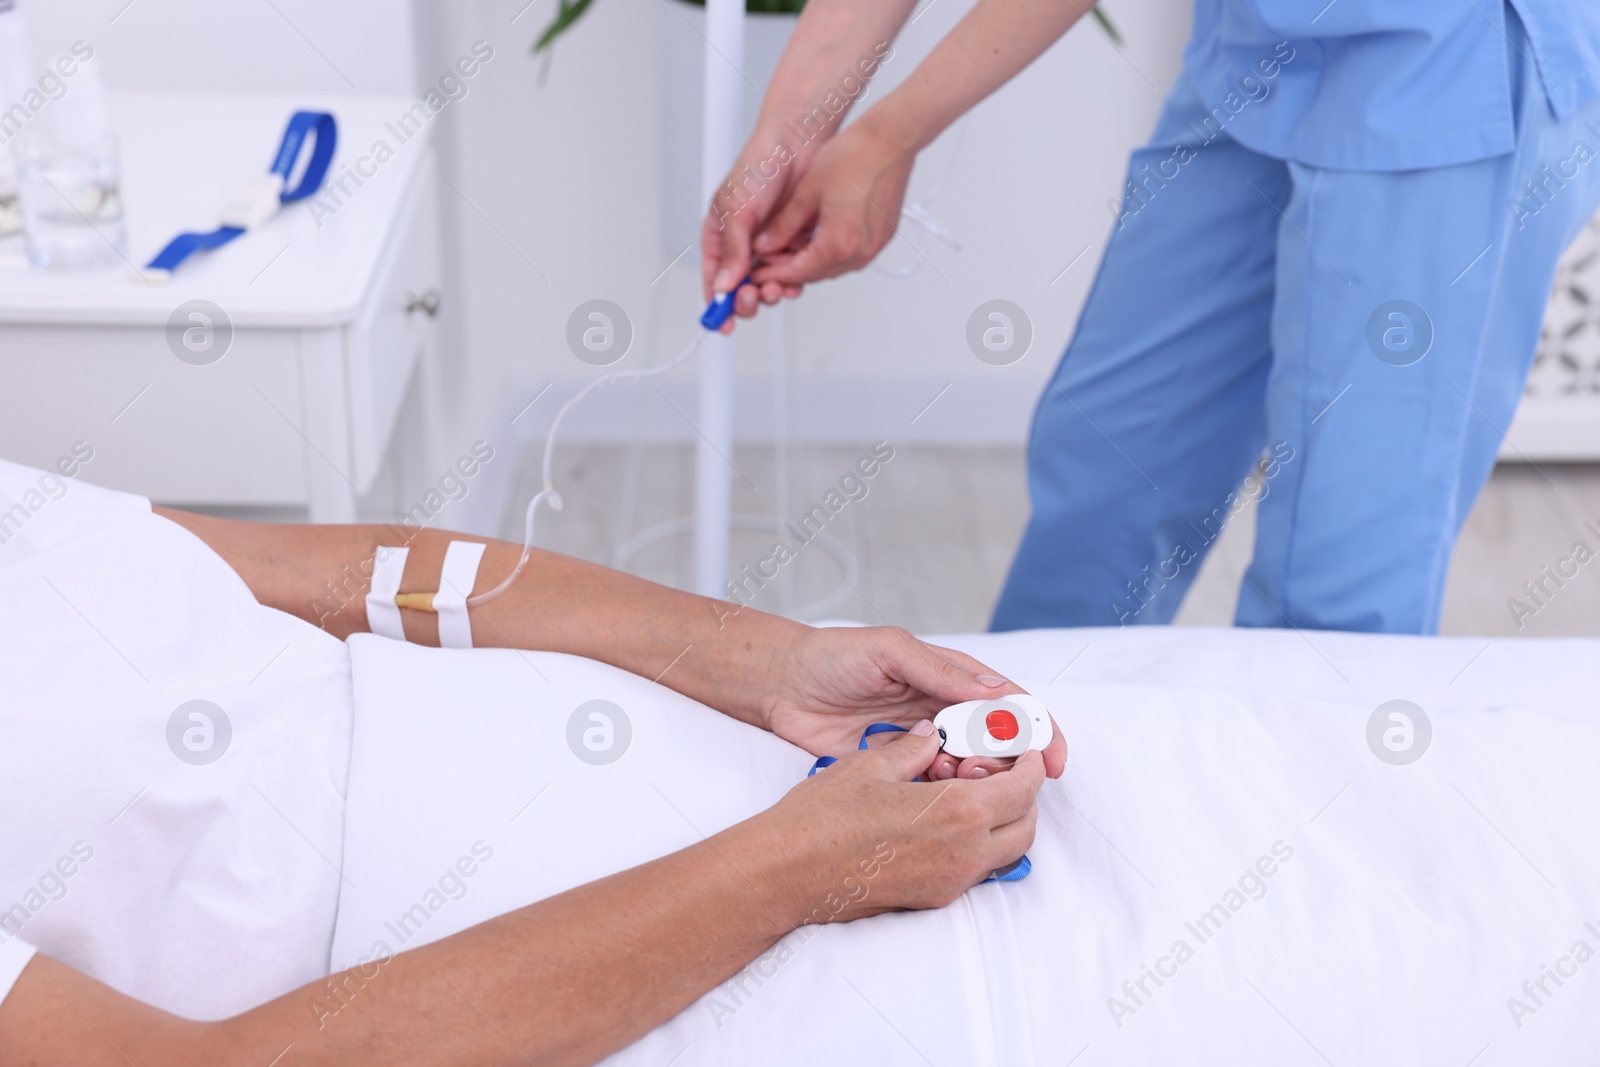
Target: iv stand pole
(721, 121)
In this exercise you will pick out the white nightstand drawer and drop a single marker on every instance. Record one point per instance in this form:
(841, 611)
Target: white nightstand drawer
(301, 408)
(227, 433)
(396, 324)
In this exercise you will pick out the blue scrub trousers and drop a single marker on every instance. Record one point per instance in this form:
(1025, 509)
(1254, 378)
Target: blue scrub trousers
(1239, 314)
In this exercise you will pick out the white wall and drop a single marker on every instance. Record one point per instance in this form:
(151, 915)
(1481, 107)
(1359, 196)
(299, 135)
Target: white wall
(550, 194)
(312, 46)
(554, 196)
(563, 183)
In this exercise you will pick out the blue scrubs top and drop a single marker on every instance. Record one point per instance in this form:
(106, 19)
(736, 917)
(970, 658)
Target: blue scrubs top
(1381, 85)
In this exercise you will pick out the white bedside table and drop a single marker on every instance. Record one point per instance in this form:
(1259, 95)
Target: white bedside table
(331, 323)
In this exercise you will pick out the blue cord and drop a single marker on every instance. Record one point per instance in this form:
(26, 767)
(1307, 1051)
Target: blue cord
(879, 728)
(1015, 872)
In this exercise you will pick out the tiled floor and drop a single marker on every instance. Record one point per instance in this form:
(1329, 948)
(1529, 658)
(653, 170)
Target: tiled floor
(935, 530)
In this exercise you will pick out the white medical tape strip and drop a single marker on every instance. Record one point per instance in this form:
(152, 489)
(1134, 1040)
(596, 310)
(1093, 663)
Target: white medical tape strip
(456, 579)
(383, 616)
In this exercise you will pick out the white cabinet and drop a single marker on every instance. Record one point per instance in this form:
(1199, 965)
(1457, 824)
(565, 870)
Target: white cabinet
(331, 312)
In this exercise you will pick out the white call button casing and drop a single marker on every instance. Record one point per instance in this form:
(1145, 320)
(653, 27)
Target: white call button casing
(1002, 727)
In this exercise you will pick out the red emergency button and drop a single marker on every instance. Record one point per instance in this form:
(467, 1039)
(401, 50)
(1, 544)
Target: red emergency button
(1001, 724)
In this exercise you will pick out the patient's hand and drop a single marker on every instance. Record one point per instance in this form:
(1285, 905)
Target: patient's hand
(833, 683)
(866, 838)
(579, 975)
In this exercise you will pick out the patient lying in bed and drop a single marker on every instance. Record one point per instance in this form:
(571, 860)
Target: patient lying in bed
(145, 647)
(1230, 873)
(1235, 872)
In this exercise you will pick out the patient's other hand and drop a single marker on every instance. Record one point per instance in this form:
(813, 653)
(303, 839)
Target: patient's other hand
(832, 683)
(870, 839)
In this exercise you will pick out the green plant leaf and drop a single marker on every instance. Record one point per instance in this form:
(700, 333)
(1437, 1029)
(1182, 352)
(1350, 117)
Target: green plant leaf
(566, 15)
(764, 7)
(1107, 27)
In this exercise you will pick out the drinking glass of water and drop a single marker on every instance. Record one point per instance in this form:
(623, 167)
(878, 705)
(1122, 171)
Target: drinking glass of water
(72, 205)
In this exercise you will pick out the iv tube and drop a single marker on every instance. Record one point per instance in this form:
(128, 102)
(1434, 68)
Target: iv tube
(548, 492)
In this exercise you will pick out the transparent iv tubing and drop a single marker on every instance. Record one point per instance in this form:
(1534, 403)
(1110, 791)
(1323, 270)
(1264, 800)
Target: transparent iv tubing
(917, 212)
(914, 212)
(549, 491)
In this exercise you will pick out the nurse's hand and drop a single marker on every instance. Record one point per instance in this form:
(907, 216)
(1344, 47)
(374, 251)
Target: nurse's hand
(827, 211)
(842, 211)
(830, 684)
(739, 209)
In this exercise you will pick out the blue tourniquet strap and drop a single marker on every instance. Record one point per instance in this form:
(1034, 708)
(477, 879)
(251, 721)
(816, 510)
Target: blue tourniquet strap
(185, 244)
(301, 125)
(1016, 872)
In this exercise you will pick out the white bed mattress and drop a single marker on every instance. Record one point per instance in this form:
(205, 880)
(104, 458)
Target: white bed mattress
(1405, 907)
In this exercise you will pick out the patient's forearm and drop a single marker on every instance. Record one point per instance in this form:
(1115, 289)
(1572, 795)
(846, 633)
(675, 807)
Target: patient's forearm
(575, 977)
(564, 981)
(711, 650)
(707, 649)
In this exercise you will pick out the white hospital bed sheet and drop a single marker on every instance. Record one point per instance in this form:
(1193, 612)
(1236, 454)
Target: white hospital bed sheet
(1227, 873)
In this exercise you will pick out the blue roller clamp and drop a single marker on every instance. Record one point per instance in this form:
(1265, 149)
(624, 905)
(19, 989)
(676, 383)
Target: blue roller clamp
(720, 308)
(1015, 872)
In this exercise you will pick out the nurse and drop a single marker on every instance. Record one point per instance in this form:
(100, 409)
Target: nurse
(1330, 266)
